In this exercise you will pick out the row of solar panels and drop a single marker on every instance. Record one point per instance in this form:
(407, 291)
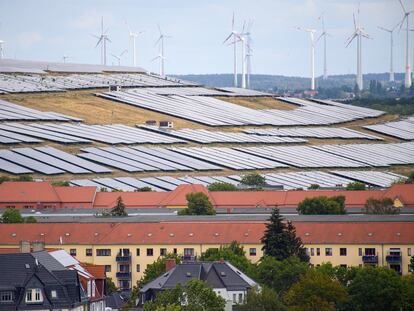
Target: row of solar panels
(288, 181)
(41, 83)
(208, 137)
(313, 132)
(214, 112)
(403, 129)
(12, 112)
(48, 160)
(201, 91)
(81, 133)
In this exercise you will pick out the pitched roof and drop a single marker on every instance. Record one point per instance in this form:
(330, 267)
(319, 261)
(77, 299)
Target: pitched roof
(98, 271)
(28, 191)
(198, 232)
(76, 194)
(405, 192)
(130, 199)
(177, 197)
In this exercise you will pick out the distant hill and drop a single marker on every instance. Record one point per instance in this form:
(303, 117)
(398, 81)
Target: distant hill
(277, 82)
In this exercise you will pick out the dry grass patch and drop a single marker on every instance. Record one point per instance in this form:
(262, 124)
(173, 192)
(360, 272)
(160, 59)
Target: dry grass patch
(259, 102)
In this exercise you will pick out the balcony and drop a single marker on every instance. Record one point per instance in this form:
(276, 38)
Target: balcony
(123, 258)
(393, 259)
(123, 275)
(370, 259)
(189, 258)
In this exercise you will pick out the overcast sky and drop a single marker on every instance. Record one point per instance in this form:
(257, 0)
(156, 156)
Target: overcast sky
(48, 29)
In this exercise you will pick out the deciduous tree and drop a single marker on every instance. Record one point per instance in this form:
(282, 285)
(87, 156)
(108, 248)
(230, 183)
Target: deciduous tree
(198, 204)
(119, 208)
(381, 206)
(12, 216)
(222, 186)
(322, 205)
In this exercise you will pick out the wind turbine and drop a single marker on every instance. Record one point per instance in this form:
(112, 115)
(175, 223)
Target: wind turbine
(233, 35)
(358, 33)
(64, 58)
(1, 49)
(407, 81)
(312, 42)
(161, 55)
(102, 39)
(323, 35)
(118, 57)
(249, 52)
(133, 36)
(391, 32)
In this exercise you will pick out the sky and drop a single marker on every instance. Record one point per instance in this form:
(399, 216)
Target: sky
(48, 29)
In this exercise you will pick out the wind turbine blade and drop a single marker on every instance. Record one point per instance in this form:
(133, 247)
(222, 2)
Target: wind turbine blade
(351, 38)
(229, 36)
(244, 25)
(385, 29)
(125, 51)
(402, 5)
(99, 41)
(159, 29)
(107, 39)
(355, 26)
(322, 34)
(156, 42)
(155, 58)
(232, 23)
(95, 36)
(402, 22)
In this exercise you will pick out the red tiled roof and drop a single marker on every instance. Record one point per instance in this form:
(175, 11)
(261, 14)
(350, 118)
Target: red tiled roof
(405, 192)
(76, 194)
(29, 191)
(130, 199)
(98, 271)
(198, 232)
(225, 199)
(177, 197)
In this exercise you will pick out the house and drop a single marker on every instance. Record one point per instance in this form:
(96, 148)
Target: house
(27, 284)
(225, 280)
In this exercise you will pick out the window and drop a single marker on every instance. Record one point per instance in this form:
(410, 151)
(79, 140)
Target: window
(150, 252)
(163, 251)
(410, 269)
(138, 268)
(188, 252)
(234, 298)
(103, 252)
(72, 251)
(138, 252)
(108, 268)
(53, 294)
(34, 295)
(312, 251)
(124, 268)
(342, 251)
(240, 298)
(409, 253)
(252, 252)
(370, 252)
(318, 251)
(175, 251)
(10, 206)
(359, 251)
(307, 251)
(28, 206)
(328, 251)
(6, 296)
(89, 252)
(343, 265)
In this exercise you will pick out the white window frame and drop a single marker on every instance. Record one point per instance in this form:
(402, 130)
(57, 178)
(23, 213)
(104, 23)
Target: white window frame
(34, 293)
(6, 293)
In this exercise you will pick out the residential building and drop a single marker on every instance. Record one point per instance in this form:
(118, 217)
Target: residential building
(27, 284)
(127, 248)
(226, 280)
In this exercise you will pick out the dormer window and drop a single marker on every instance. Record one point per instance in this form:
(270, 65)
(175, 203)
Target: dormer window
(34, 295)
(53, 294)
(6, 296)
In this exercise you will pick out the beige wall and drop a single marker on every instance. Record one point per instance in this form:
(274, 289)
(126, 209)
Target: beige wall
(351, 259)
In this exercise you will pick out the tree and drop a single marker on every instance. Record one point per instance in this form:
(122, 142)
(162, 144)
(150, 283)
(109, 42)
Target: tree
(222, 186)
(196, 295)
(314, 186)
(4, 178)
(30, 220)
(411, 266)
(356, 186)
(110, 286)
(381, 206)
(155, 269)
(233, 253)
(322, 205)
(410, 179)
(198, 204)
(375, 288)
(315, 291)
(144, 189)
(280, 240)
(119, 208)
(254, 180)
(12, 216)
(280, 275)
(265, 299)
(61, 183)
(24, 178)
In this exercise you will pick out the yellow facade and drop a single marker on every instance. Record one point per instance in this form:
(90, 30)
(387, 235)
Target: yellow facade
(354, 255)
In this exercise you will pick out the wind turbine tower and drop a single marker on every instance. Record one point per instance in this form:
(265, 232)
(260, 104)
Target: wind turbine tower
(234, 36)
(391, 32)
(133, 36)
(312, 42)
(102, 40)
(118, 57)
(1, 49)
(358, 33)
(407, 81)
(249, 53)
(161, 55)
(323, 35)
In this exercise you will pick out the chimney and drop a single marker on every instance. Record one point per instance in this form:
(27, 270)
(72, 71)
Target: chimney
(24, 247)
(169, 264)
(38, 246)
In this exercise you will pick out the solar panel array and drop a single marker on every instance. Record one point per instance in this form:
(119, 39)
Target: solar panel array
(53, 83)
(46, 160)
(288, 181)
(403, 129)
(13, 112)
(140, 159)
(347, 155)
(214, 112)
(313, 132)
(81, 133)
(209, 137)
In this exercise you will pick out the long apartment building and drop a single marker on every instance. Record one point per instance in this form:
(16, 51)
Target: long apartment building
(127, 248)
